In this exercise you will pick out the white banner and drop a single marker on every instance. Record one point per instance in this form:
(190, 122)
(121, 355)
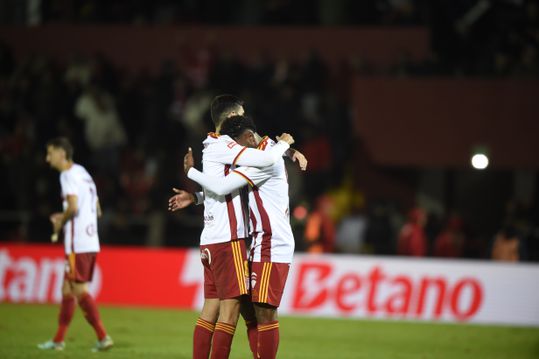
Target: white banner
(417, 289)
(411, 289)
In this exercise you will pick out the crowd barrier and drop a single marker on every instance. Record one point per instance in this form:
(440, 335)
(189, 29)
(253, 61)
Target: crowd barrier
(322, 285)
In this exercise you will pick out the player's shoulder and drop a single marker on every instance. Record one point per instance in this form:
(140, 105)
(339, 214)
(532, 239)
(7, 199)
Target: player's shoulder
(265, 142)
(217, 143)
(76, 171)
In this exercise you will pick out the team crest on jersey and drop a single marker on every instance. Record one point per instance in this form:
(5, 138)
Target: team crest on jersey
(205, 255)
(253, 280)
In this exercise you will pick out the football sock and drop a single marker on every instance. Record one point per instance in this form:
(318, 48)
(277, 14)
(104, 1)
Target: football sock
(67, 308)
(222, 340)
(202, 339)
(252, 335)
(91, 314)
(268, 340)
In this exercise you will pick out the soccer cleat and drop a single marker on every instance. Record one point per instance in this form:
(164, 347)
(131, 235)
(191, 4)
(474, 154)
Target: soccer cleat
(50, 345)
(103, 344)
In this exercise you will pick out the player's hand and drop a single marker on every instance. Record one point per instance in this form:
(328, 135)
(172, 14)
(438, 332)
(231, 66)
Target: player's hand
(56, 220)
(188, 160)
(181, 200)
(286, 137)
(298, 157)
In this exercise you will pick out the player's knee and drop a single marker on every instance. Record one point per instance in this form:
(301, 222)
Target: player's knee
(229, 311)
(79, 289)
(210, 310)
(265, 313)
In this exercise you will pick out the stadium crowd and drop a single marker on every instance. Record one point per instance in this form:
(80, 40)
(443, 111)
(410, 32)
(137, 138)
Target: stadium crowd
(132, 129)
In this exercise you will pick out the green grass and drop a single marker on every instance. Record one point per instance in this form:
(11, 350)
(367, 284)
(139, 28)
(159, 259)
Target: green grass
(153, 333)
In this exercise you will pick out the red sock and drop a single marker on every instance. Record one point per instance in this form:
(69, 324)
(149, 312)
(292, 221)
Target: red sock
(268, 340)
(252, 335)
(222, 340)
(202, 339)
(91, 314)
(67, 308)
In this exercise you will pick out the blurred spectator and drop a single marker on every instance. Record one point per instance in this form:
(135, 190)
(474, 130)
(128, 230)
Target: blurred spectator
(450, 241)
(320, 227)
(412, 238)
(350, 236)
(507, 245)
(380, 235)
(103, 130)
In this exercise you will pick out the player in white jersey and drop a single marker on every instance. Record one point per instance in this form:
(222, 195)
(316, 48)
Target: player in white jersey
(223, 236)
(273, 241)
(81, 242)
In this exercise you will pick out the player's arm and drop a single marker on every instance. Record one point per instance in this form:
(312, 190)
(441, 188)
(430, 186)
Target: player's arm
(291, 153)
(298, 157)
(59, 220)
(219, 185)
(258, 158)
(183, 199)
(98, 208)
(236, 179)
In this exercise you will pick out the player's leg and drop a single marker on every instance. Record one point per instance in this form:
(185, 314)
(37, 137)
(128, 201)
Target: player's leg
(268, 330)
(205, 324)
(83, 272)
(67, 309)
(89, 308)
(229, 312)
(247, 312)
(266, 297)
(229, 268)
(204, 328)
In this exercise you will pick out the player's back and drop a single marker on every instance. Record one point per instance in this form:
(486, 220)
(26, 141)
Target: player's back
(223, 217)
(80, 232)
(269, 202)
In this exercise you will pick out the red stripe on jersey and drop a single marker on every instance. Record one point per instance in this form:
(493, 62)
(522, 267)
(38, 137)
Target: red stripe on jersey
(263, 142)
(232, 221)
(253, 234)
(265, 252)
(251, 183)
(73, 235)
(238, 156)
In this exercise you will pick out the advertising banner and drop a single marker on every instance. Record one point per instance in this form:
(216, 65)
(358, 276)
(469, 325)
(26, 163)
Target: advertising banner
(322, 285)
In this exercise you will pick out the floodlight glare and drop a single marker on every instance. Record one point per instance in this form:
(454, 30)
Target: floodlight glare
(479, 161)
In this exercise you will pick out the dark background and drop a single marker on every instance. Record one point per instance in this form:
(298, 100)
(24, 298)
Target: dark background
(387, 99)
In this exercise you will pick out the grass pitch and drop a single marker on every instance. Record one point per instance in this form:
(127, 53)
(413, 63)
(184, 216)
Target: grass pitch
(154, 333)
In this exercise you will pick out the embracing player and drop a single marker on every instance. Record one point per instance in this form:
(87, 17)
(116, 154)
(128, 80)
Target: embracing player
(222, 241)
(273, 242)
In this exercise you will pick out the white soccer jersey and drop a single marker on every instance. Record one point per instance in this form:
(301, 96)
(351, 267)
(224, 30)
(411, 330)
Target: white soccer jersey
(273, 240)
(80, 232)
(223, 214)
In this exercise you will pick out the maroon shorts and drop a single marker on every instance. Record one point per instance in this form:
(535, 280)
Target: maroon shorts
(225, 269)
(80, 267)
(267, 282)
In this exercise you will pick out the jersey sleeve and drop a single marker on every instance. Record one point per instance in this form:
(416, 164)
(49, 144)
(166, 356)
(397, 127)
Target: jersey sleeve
(218, 185)
(254, 176)
(199, 198)
(68, 183)
(234, 154)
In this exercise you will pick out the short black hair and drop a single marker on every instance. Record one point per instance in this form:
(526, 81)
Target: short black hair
(63, 143)
(222, 106)
(235, 125)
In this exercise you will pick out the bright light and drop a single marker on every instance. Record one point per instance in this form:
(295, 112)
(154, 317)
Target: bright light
(479, 161)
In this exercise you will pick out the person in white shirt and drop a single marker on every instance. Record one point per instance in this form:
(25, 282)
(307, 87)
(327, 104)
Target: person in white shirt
(273, 242)
(222, 239)
(81, 242)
